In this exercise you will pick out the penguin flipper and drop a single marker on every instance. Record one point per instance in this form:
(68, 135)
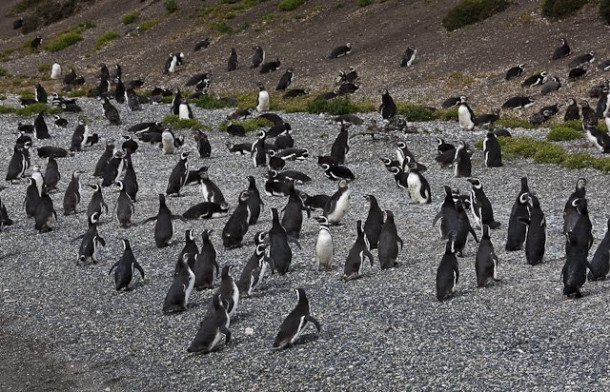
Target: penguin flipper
(398, 239)
(101, 241)
(315, 322)
(178, 217)
(524, 220)
(457, 273)
(224, 330)
(437, 217)
(474, 234)
(152, 218)
(114, 266)
(80, 237)
(369, 256)
(139, 268)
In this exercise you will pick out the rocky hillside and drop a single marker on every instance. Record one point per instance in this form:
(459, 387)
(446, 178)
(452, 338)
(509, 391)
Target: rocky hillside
(470, 61)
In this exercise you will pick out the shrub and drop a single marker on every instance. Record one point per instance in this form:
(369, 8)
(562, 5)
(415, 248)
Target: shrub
(602, 164)
(224, 28)
(63, 41)
(170, 6)
(147, 24)
(561, 9)
(44, 68)
(413, 112)
(289, 5)
(24, 5)
(550, 153)
(130, 17)
(105, 38)
(37, 108)
(604, 10)
(467, 12)
(560, 133)
(578, 160)
(514, 122)
(249, 125)
(177, 123)
(576, 125)
(450, 114)
(208, 102)
(4, 72)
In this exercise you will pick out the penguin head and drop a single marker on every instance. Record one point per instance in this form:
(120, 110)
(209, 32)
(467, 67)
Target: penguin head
(322, 220)
(243, 196)
(584, 103)
(161, 198)
(581, 183)
(348, 45)
(95, 187)
(476, 183)
(301, 297)
(94, 218)
(225, 272)
(188, 235)
(184, 155)
(120, 184)
(251, 181)
(343, 184)
(261, 86)
(126, 244)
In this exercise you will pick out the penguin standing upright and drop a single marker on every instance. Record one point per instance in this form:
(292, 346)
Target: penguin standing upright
(280, 254)
(255, 203)
(111, 113)
(178, 176)
(417, 185)
(463, 229)
(572, 111)
(486, 262)
(17, 165)
(32, 197)
(387, 107)
(259, 154)
(292, 220)
(340, 146)
(91, 242)
(45, 214)
(492, 151)
(325, 249)
(535, 241)
(237, 225)
(355, 257)
(600, 139)
(462, 165)
(600, 263)
(574, 271)
(119, 91)
(254, 270)
(169, 142)
(338, 204)
(408, 57)
(232, 62)
(51, 174)
(130, 181)
(570, 213)
(296, 321)
(100, 166)
(262, 99)
(285, 80)
(114, 168)
(447, 274)
(388, 242)
(466, 116)
(184, 110)
(203, 145)
(258, 57)
(133, 100)
(97, 201)
(79, 137)
(582, 232)
(190, 248)
(164, 229)
(41, 130)
(214, 324)
(516, 229)
(124, 267)
(124, 207)
(210, 191)
(179, 292)
(72, 195)
(228, 291)
(561, 51)
(205, 263)
(40, 93)
(448, 215)
(373, 222)
(481, 206)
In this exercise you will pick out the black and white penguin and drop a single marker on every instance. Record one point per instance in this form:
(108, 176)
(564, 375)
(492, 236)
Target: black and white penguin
(189, 248)
(51, 175)
(41, 130)
(582, 232)
(514, 72)
(258, 57)
(114, 168)
(535, 241)
(96, 203)
(130, 181)
(209, 190)
(448, 215)
(280, 254)
(325, 249)
(214, 325)
(259, 154)
(518, 102)
(600, 263)
(462, 165)
(561, 51)
(570, 212)
(228, 291)
(388, 242)
(178, 176)
(179, 292)
(516, 229)
(133, 99)
(486, 261)
(255, 269)
(184, 110)
(340, 146)
(270, 66)
(262, 99)
(447, 274)
(355, 257)
(292, 154)
(277, 188)
(40, 94)
(292, 219)
(492, 151)
(110, 112)
(584, 58)
(202, 44)
(79, 137)
(205, 264)
(283, 141)
(18, 23)
(408, 57)
(232, 62)
(100, 166)
(172, 62)
(340, 51)
(204, 148)
(337, 172)
(574, 271)
(206, 210)
(600, 139)
(285, 80)
(124, 268)
(294, 176)
(572, 111)
(60, 122)
(17, 165)
(552, 85)
(338, 204)
(36, 42)
(72, 196)
(576, 73)
(463, 229)
(45, 213)
(417, 186)
(589, 117)
(91, 242)
(466, 117)
(255, 203)
(52, 151)
(373, 222)
(124, 207)
(164, 229)
(480, 205)
(169, 142)
(119, 91)
(388, 107)
(534, 80)
(296, 321)
(32, 197)
(237, 225)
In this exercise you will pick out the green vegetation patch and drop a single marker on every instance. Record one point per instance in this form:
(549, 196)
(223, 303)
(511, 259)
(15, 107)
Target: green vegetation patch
(364, 3)
(413, 112)
(337, 106)
(33, 109)
(130, 17)
(208, 102)
(103, 39)
(468, 12)
(148, 24)
(250, 125)
(63, 41)
(170, 6)
(561, 9)
(177, 123)
(4, 73)
(559, 133)
(290, 5)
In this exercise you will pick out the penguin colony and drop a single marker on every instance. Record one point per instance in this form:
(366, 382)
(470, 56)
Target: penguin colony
(275, 246)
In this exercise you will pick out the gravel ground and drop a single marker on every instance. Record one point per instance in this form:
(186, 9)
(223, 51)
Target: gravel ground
(384, 331)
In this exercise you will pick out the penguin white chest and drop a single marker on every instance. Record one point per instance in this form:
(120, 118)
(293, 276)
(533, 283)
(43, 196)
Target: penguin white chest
(594, 140)
(173, 63)
(55, 71)
(414, 185)
(189, 288)
(167, 141)
(464, 117)
(340, 208)
(324, 248)
(183, 112)
(263, 101)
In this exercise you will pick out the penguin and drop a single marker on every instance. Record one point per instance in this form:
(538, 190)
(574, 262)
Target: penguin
(258, 57)
(600, 263)
(4, 218)
(232, 62)
(38, 178)
(324, 245)
(45, 214)
(41, 131)
(51, 174)
(254, 270)
(178, 176)
(210, 191)
(18, 23)
(196, 79)
(388, 107)
(110, 112)
(338, 204)
(173, 60)
(190, 248)
(206, 210)
(130, 181)
(561, 51)
(184, 110)
(237, 225)
(486, 262)
(482, 211)
(417, 185)
(285, 80)
(340, 146)
(388, 242)
(124, 267)
(576, 73)
(463, 229)
(204, 148)
(294, 324)
(270, 66)
(179, 292)
(163, 227)
(235, 129)
(466, 117)
(259, 155)
(293, 176)
(518, 102)
(277, 188)
(72, 196)
(572, 111)
(280, 254)
(133, 100)
(448, 215)
(91, 242)
(36, 42)
(553, 85)
(582, 231)
(589, 117)
(516, 230)
(570, 212)
(574, 271)
(205, 263)
(283, 141)
(373, 222)
(462, 165)
(202, 44)
(228, 291)
(79, 137)
(40, 93)
(514, 72)
(355, 257)
(52, 151)
(255, 203)
(447, 274)
(315, 202)
(535, 240)
(600, 139)
(262, 99)
(534, 80)
(337, 172)
(119, 91)
(585, 58)
(97, 202)
(408, 57)
(292, 219)
(492, 151)
(340, 51)
(114, 168)
(100, 166)
(212, 327)
(124, 207)
(17, 165)
(32, 197)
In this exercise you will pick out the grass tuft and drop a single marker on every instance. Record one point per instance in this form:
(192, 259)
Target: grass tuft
(413, 112)
(561, 9)
(63, 41)
(130, 17)
(177, 123)
(468, 12)
(559, 133)
(290, 5)
(103, 39)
